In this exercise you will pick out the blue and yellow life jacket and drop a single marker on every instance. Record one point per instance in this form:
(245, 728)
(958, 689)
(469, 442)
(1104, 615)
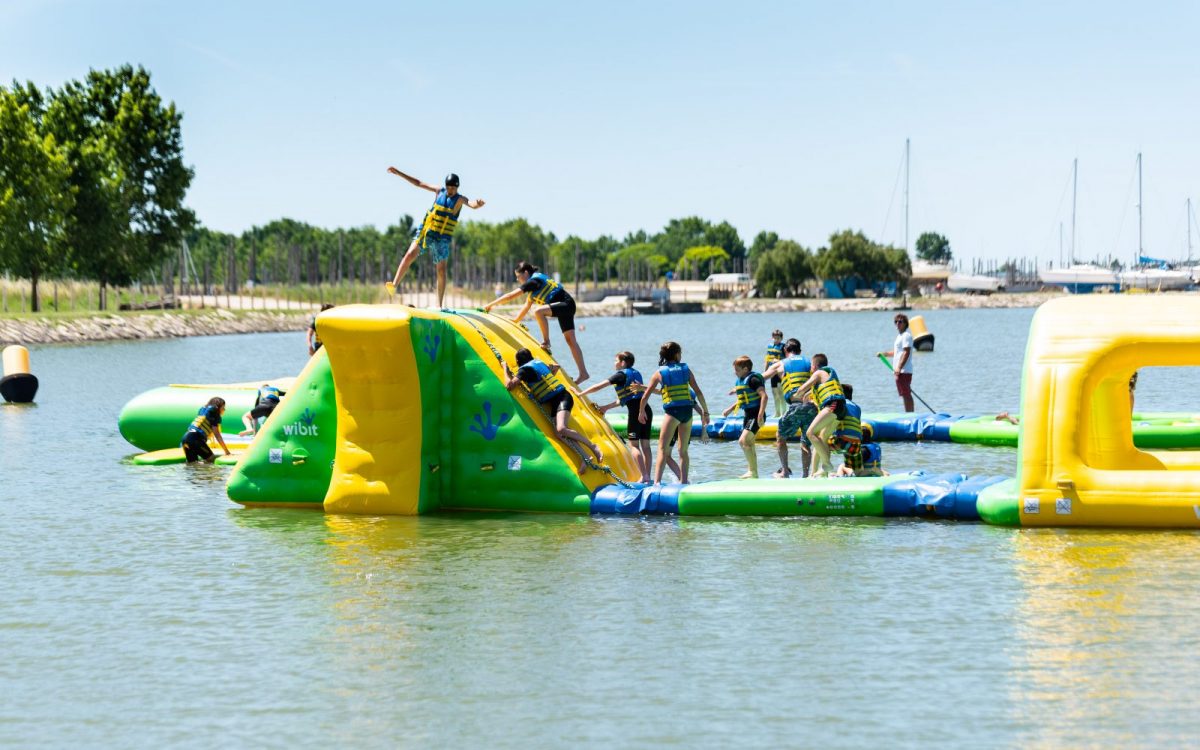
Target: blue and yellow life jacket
(548, 289)
(547, 386)
(206, 422)
(872, 456)
(442, 216)
(796, 372)
(850, 429)
(748, 399)
(830, 390)
(268, 393)
(774, 352)
(627, 394)
(676, 390)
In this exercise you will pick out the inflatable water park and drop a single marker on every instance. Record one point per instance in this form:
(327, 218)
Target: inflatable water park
(469, 443)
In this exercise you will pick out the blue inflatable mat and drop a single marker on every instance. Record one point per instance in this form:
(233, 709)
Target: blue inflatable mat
(943, 495)
(915, 427)
(640, 499)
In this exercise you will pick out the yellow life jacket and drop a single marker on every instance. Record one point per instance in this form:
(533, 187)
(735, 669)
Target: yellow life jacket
(201, 424)
(442, 217)
(748, 399)
(548, 288)
(676, 389)
(796, 372)
(546, 386)
(830, 390)
(774, 353)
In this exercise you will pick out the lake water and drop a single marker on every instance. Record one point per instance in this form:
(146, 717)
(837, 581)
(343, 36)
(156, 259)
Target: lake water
(143, 609)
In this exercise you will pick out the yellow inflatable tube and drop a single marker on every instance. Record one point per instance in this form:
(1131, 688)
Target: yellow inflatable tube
(1077, 462)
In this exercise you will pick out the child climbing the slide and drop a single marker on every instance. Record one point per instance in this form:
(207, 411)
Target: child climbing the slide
(680, 395)
(629, 386)
(203, 428)
(552, 301)
(550, 395)
(831, 404)
(775, 354)
(752, 400)
(265, 402)
(436, 229)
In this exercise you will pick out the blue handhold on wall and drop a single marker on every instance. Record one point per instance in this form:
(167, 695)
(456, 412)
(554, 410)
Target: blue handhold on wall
(484, 424)
(430, 343)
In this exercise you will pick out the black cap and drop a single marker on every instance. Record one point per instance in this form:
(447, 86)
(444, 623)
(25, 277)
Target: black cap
(451, 180)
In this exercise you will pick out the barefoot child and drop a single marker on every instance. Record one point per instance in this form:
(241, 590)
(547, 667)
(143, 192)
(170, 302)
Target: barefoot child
(436, 229)
(550, 395)
(677, 382)
(552, 301)
(628, 384)
(752, 399)
(831, 405)
(801, 411)
(265, 402)
(775, 354)
(203, 428)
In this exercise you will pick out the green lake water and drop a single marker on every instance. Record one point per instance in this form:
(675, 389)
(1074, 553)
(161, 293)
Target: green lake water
(142, 609)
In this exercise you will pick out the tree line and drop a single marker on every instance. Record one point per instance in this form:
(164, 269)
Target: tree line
(92, 179)
(92, 186)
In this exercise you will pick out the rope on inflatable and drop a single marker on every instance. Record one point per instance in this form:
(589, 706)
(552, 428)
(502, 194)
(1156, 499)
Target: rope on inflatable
(587, 460)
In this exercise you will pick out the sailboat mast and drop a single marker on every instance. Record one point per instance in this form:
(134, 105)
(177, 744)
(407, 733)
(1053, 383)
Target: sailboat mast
(1140, 253)
(1060, 245)
(906, 164)
(1188, 221)
(1074, 194)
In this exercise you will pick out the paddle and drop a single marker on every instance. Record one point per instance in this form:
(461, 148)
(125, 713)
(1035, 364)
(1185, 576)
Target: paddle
(888, 364)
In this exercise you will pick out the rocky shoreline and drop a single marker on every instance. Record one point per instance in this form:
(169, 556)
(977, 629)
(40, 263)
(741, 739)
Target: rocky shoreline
(131, 326)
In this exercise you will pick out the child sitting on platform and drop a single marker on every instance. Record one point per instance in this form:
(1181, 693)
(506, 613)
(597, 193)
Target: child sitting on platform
(752, 399)
(550, 394)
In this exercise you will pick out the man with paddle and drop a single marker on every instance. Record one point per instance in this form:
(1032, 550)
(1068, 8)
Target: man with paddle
(901, 355)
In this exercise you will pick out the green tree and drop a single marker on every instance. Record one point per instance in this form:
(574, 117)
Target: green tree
(703, 260)
(933, 248)
(125, 150)
(783, 269)
(763, 241)
(35, 195)
(851, 256)
(639, 257)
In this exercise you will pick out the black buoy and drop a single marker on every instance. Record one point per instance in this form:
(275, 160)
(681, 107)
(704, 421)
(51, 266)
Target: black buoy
(18, 386)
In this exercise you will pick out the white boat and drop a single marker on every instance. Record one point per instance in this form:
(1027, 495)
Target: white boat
(1081, 277)
(977, 283)
(1155, 279)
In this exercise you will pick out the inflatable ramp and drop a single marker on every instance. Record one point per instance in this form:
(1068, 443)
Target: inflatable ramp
(421, 421)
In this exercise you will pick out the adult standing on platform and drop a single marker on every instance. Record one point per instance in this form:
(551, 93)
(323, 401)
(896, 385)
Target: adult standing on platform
(901, 355)
(436, 229)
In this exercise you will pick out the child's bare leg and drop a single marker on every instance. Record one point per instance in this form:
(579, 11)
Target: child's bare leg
(414, 250)
(540, 316)
(441, 284)
(685, 437)
(577, 353)
(751, 455)
(781, 447)
(664, 446)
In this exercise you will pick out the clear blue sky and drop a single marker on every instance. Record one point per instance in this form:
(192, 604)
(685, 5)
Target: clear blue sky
(609, 117)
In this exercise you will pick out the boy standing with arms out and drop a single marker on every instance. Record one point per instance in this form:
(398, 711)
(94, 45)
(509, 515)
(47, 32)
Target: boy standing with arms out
(752, 398)
(436, 229)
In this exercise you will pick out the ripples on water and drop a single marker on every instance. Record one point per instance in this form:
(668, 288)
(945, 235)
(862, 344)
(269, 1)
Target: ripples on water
(143, 609)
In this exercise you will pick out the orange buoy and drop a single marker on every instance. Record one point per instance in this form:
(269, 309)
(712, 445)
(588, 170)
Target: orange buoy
(922, 338)
(18, 385)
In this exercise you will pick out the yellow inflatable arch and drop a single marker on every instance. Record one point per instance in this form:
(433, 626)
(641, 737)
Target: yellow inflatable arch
(1077, 462)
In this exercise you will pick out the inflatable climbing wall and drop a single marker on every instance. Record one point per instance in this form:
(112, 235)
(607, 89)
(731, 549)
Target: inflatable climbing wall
(421, 421)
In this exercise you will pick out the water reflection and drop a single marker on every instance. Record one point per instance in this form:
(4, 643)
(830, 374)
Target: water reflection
(1101, 621)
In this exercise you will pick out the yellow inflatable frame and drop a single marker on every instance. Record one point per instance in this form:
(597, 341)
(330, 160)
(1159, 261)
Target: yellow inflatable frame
(1077, 462)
